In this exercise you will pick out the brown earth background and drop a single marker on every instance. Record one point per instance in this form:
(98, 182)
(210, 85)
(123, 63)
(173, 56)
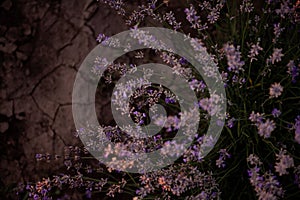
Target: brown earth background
(42, 44)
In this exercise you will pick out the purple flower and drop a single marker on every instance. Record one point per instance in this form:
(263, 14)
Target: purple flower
(44, 191)
(293, 70)
(193, 18)
(101, 37)
(255, 48)
(246, 6)
(276, 56)
(213, 16)
(156, 138)
(297, 129)
(253, 171)
(230, 122)
(38, 156)
(88, 194)
(233, 56)
(183, 61)
(257, 118)
(36, 197)
(275, 90)
(27, 187)
(284, 161)
(266, 185)
(265, 129)
(169, 100)
(276, 112)
(220, 162)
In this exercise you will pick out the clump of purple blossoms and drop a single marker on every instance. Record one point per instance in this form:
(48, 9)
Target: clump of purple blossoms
(265, 127)
(233, 55)
(276, 112)
(293, 70)
(284, 162)
(265, 185)
(297, 129)
(220, 162)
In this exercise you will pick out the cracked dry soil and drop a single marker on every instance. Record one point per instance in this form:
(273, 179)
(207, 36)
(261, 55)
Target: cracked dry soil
(42, 44)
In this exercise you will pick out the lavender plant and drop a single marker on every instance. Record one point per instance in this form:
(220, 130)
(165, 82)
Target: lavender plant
(256, 47)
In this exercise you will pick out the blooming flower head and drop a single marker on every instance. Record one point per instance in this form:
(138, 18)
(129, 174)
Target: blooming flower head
(254, 160)
(297, 129)
(230, 122)
(246, 6)
(275, 90)
(255, 48)
(256, 117)
(220, 162)
(276, 112)
(233, 55)
(265, 185)
(293, 70)
(276, 56)
(284, 162)
(265, 129)
(101, 37)
(192, 17)
(277, 31)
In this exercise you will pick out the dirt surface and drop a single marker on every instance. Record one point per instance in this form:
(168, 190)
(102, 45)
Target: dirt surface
(42, 44)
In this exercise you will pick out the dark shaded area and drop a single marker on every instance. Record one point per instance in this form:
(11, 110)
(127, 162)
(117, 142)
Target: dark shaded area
(42, 44)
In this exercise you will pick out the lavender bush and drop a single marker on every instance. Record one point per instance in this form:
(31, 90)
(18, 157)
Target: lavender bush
(256, 47)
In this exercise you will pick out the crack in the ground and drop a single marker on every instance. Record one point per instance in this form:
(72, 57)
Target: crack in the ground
(91, 29)
(69, 44)
(37, 105)
(50, 12)
(55, 115)
(10, 98)
(54, 132)
(44, 77)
